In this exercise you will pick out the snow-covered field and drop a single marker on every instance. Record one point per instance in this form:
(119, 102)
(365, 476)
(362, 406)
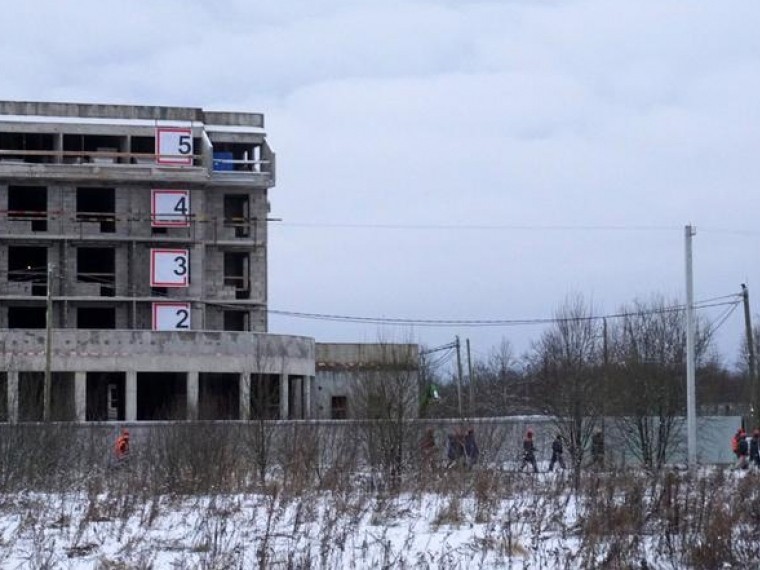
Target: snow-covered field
(453, 519)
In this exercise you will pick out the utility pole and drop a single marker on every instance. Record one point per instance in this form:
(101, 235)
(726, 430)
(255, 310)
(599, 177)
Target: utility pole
(754, 392)
(459, 377)
(470, 383)
(691, 403)
(48, 347)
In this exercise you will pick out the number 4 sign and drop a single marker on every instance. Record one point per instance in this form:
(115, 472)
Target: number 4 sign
(171, 316)
(174, 146)
(170, 208)
(169, 267)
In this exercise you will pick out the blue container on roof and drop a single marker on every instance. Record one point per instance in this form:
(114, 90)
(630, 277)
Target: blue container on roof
(220, 159)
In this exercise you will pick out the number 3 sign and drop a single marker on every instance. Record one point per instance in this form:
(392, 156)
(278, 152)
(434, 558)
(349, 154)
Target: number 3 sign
(169, 267)
(174, 146)
(171, 316)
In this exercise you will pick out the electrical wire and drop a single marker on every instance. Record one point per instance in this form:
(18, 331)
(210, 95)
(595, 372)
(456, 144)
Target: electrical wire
(488, 322)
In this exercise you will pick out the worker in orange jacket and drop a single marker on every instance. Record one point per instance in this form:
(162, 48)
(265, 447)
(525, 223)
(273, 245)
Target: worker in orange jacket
(121, 446)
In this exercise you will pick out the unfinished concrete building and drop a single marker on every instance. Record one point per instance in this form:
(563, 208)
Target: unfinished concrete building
(133, 267)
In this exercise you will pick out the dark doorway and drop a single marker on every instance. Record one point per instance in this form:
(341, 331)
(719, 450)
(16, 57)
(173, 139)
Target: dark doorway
(265, 396)
(161, 396)
(218, 396)
(106, 396)
(236, 273)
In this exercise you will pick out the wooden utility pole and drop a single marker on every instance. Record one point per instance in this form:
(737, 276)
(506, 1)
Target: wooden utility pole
(48, 348)
(753, 385)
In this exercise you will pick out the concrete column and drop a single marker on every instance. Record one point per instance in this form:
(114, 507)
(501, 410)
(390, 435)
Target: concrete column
(298, 397)
(12, 396)
(80, 396)
(307, 397)
(130, 395)
(192, 395)
(284, 409)
(245, 396)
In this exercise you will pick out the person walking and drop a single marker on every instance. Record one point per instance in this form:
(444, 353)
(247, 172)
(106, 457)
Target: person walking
(754, 449)
(597, 449)
(121, 446)
(557, 453)
(529, 452)
(428, 448)
(454, 448)
(742, 450)
(471, 451)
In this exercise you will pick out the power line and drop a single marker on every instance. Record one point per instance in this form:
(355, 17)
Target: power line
(497, 322)
(481, 227)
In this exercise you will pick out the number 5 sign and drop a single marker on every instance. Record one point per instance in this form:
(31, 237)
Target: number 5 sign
(174, 146)
(171, 316)
(169, 267)
(170, 208)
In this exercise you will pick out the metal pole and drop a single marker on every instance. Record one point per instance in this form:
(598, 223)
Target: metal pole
(754, 395)
(459, 378)
(691, 405)
(48, 348)
(470, 383)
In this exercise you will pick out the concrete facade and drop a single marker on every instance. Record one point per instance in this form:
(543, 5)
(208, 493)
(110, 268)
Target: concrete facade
(78, 223)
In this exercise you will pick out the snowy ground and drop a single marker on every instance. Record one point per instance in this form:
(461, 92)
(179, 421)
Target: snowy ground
(460, 520)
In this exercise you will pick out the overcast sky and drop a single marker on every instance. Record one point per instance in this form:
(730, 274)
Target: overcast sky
(453, 159)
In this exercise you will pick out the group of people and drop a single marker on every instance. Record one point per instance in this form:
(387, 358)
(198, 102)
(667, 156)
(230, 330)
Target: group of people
(462, 449)
(746, 449)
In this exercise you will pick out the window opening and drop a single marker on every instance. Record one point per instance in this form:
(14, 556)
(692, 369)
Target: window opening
(31, 147)
(96, 318)
(97, 205)
(236, 273)
(235, 320)
(97, 265)
(236, 214)
(339, 407)
(27, 317)
(28, 203)
(28, 265)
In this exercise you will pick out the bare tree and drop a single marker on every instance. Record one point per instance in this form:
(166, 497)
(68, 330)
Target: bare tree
(385, 392)
(565, 366)
(647, 376)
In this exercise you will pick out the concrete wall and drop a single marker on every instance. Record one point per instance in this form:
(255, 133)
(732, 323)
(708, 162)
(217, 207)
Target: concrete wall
(146, 351)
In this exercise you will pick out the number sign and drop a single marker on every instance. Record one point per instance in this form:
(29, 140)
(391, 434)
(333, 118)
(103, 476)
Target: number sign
(169, 267)
(170, 208)
(174, 146)
(171, 316)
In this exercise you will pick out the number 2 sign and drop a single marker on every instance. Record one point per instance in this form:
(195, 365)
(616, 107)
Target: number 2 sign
(174, 146)
(169, 267)
(171, 316)
(170, 208)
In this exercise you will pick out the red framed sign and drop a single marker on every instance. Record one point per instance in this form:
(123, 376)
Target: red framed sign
(174, 145)
(168, 316)
(170, 208)
(169, 267)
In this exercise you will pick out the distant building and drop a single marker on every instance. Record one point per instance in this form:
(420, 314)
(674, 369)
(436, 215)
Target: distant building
(366, 380)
